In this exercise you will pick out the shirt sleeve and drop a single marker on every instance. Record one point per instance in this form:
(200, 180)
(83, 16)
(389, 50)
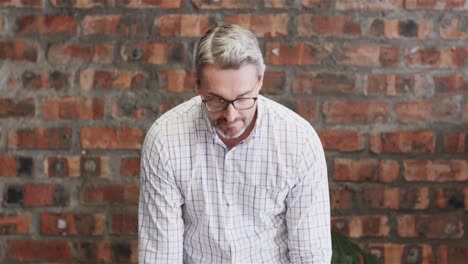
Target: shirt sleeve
(308, 208)
(160, 224)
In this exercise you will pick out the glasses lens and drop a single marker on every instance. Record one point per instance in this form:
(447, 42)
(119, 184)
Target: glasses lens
(244, 103)
(216, 105)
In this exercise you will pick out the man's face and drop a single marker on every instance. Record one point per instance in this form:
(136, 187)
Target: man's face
(230, 84)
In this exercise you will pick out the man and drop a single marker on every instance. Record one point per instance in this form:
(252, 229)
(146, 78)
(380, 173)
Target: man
(231, 176)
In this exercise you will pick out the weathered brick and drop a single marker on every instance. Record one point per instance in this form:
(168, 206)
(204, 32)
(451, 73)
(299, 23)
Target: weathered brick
(436, 4)
(110, 194)
(32, 195)
(12, 165)
(130, 167)
(3, 22)
(454, 28)
(177, 81)
(22, 3)
(72, 108)
(14, 108)
(280, 4)
(182, 25)
(401, 28)
(46, 25)
(455, 143)
(389, 253)
(436, 171)
(39, 251)
(338, 26)
(362, 226)
(403, 142)
(436, 57)
(450, 84)
(62, 166)
(72, 224)
(356, 111)
(341, 198)
(369, 55)
(341, 140)
(111, 138)
(164, 4)
(83, 4)
(268, 25)
(369, 5)
(14, 224)
(278, 53)
(452, 254)
(107, 252)
(444, 110)
(395, 85)
(450, 198)
(124, 224)
(154, 52)
(113, 25)
(224, 4)
(365, 170)
(323, 83)
(274, 82)
(129, 106)
(432, 227)
(111, 79)
(396, 198)
(41, 138)
(315, 4)
(307, 108)
(18, 50)
(75, 54)
(465, 112)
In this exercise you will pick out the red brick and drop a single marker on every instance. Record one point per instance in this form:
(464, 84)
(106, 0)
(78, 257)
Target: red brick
(399, 253)
(110, 194)
(31, 195)
(111, 138)
(76, 166)
(395, 28)
(182, 25)
(39, 251)
(107, 252)
(465, 112)
(224, 4)
(432, 227)
(436, 4)
(268, 25)
(307, 108)
(130, 167)
(164, 4)
(112, 25)
(3, 23)
(311, 25)
(281, 4)
(111, 79)
(323, 83)
(365, 170)
(177, 81)
(450, 29)
(274, 82)
(403, 142)
(41, 138)
(444, 110)
(395, 85)
(74, 54)
(369, 5)
(154, 52)
(341, 198)
(450, 198)
(455, 143)
(436, 171)
(83, 4)
(341, 140)
(278, 53)
(362, 226)
(124, 224)
(396, 198)
(18, 50)
(450, 84)
(16, 108)
(14, 224)
(355, 111)
(8, 166)
(46, 25)
(452, 254)
(439, 57)
(72, 108)
(315, 4)
(22, 3)
(72, 224)
(369, 55)
(130, 107)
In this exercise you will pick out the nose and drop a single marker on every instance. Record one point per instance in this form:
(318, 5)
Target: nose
(230, 113)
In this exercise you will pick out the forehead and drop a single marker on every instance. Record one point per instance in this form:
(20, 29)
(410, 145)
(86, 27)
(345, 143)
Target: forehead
(228, 82)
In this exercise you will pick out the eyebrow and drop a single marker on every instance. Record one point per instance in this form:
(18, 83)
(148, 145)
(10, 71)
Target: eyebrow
(239, 96)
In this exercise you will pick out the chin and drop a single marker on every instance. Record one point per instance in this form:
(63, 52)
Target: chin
(230, 135)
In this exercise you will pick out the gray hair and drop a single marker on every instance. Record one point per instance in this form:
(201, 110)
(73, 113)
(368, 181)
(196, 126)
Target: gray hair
(228, 47)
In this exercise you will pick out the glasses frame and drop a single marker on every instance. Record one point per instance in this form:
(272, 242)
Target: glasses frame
(229, 102)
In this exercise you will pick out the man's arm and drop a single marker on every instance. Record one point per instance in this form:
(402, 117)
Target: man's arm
(160, 224)
(308, 208)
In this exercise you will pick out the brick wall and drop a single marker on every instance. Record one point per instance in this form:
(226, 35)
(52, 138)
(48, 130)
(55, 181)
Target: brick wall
(385, 82)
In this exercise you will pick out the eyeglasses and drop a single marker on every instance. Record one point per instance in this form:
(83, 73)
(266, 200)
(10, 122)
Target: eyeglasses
(218, 105)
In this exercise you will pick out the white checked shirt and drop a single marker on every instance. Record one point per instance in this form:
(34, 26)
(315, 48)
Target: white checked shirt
(264, 201)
